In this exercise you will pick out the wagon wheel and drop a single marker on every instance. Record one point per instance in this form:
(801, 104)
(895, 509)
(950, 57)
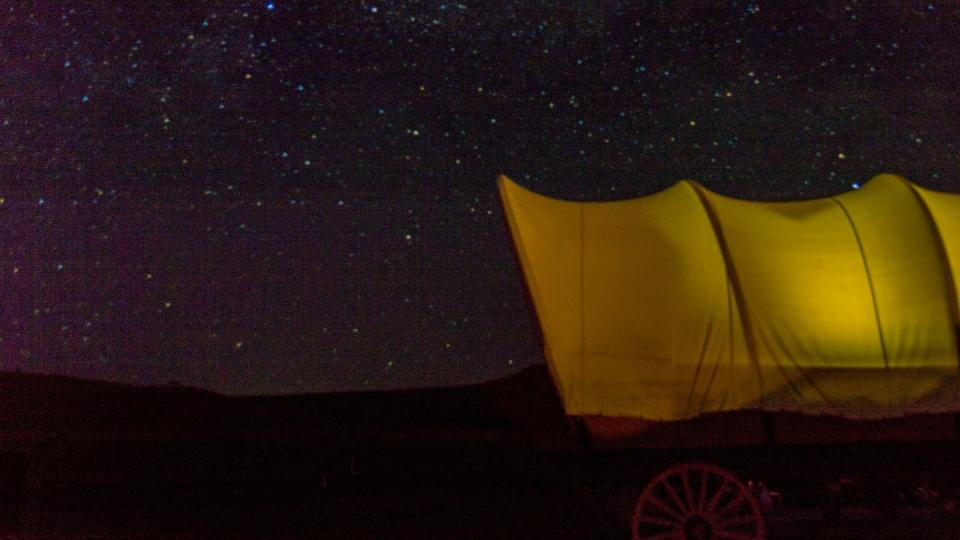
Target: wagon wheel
(696, 501)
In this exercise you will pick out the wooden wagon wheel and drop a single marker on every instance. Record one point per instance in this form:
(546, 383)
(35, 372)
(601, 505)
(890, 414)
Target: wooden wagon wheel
(696, 501)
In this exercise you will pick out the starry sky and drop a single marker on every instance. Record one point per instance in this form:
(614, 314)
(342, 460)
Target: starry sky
(299, 196)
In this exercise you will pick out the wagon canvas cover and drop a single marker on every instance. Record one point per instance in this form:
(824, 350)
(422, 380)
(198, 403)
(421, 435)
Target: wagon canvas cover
(686, 301)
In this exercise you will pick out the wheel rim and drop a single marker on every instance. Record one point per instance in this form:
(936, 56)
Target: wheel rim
(696, 501)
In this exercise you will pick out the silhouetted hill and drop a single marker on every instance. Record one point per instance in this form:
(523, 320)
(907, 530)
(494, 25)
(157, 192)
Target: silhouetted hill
(56, 404)
(518, 405)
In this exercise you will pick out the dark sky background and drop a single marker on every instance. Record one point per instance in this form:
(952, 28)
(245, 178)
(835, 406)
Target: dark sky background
(266, 197)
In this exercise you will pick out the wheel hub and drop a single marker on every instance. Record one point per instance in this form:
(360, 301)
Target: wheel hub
(697, 528)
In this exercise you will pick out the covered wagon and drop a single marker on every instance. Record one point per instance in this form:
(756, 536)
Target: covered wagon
(771, 333)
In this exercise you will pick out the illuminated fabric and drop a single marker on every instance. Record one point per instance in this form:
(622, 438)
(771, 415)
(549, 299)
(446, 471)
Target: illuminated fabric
(686, 301)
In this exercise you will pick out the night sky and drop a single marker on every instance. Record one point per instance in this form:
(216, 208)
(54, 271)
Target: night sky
(266, 197)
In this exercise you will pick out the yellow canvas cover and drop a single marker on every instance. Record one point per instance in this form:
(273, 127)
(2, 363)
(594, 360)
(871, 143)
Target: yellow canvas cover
(685, 302)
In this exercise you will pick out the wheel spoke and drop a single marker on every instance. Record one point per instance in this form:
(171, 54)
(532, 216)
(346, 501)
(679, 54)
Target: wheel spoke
(731, 505)
(704, 477)
(688, 493)
(660, 522)
(663, 506)
(716, 497)
(674, 495)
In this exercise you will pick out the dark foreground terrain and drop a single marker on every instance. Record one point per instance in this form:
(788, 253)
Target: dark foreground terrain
(80, 459)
